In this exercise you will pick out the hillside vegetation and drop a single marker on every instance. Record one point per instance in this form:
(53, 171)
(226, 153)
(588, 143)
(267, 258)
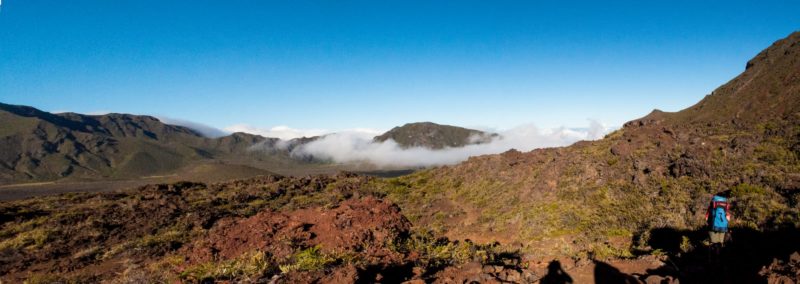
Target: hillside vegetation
(655, 172)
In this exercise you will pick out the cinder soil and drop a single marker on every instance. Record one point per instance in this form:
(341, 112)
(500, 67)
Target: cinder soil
(93, 236)
(359, 225)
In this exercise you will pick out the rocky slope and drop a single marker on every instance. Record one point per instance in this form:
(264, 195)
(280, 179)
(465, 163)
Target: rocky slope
(434, 136)
(604, 197)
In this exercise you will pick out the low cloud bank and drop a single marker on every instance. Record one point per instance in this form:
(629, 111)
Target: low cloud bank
(203, 129)
(358, 147)
(282, 132)
(354, 146)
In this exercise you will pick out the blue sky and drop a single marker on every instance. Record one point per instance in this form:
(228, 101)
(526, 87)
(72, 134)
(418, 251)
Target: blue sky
(378, 64)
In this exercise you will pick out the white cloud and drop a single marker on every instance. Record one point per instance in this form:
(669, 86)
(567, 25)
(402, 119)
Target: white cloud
(282, 132)
(96, 112)
(207, 131)
(358, 147)
(287, 133)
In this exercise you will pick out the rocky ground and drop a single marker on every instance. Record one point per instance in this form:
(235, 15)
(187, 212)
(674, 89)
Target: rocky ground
(321, 229)
(325, 228)
(783, 272)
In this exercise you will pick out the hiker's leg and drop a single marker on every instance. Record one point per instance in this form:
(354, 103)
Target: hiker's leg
(716, 246)
(717, 237)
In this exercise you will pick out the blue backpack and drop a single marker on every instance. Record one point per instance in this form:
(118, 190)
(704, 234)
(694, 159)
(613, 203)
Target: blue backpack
(718, 215)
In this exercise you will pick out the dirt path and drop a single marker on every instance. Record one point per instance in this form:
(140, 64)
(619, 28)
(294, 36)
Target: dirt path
(22, 191)
(26, 184)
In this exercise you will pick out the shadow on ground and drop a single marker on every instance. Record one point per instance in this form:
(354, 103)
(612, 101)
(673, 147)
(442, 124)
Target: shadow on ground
(555, 274)
(740, 260)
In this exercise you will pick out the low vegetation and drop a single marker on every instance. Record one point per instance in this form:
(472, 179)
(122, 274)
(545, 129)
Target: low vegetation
(247, 267)
(576, 196)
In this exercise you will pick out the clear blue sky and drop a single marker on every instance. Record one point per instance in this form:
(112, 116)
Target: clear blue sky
(377, 64)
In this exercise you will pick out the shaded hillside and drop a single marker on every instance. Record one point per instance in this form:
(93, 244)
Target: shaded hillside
(658, 171)
(41, 146)
(434, 136)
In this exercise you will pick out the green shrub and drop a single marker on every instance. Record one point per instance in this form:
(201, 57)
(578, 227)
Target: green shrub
(605, 251)
(686, 245)
(310, 259)
(33, 239)
(759, 210)
(44, 279)
(743, 189)
(774, 153)
(436, 252)
(254, 264)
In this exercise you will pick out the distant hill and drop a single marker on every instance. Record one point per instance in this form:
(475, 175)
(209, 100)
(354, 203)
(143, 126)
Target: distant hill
(434, 136)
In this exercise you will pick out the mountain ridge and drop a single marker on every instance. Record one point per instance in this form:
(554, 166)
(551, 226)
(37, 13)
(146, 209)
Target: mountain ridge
(776, 67)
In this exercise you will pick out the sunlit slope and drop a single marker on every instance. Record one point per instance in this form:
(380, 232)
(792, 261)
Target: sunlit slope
(657, 171)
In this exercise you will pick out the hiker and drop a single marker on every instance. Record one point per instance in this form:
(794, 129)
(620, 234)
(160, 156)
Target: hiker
(718, 217)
